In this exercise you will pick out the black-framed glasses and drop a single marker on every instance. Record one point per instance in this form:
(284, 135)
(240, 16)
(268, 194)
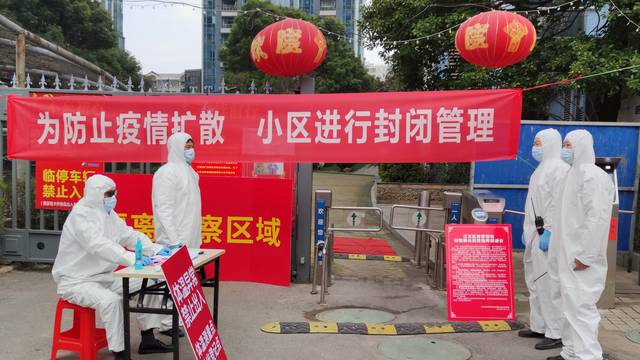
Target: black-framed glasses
(110, 193)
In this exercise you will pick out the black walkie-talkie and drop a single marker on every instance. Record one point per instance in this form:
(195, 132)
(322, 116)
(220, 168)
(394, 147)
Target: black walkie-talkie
(539, 220)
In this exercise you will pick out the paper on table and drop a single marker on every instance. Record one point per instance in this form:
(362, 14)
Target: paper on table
(158, 260)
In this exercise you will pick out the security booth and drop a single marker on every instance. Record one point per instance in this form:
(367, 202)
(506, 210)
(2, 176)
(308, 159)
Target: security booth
(482, 207)
(607, 300)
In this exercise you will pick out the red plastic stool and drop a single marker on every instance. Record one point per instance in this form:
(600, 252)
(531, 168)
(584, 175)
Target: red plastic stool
(83, 337)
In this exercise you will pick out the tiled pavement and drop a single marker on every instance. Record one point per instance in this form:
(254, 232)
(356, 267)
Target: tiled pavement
(625, 317)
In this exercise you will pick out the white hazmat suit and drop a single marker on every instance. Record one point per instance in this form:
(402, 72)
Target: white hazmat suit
(176, 198)
(91, 248)
(545, 318)
(581, 233)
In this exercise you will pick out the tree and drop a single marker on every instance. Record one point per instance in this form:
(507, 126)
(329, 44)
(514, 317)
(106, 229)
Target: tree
(404, 173)
(340, 72)
(81, 26)
(562, 50)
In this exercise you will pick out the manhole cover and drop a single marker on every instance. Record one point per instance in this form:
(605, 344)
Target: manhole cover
(355, 315)
(423, 349)
(633, 335)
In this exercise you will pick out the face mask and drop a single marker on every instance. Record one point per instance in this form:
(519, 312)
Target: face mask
(109, 204)
(567, 155)
(189, 155)
(536, 152)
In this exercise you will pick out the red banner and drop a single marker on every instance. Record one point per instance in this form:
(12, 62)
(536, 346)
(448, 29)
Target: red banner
(479, 272)
(60, 185)
(248, 217)
(439, 126)
(193, 309)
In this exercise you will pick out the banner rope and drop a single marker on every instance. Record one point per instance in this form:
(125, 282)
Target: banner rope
(580, 77)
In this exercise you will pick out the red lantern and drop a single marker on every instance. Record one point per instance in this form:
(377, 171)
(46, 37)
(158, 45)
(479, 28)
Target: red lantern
(289, 47)
(495, 39)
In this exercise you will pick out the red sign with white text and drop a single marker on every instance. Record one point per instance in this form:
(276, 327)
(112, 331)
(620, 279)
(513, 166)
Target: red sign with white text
(248, 217)
(479, 272)
(218, 169)
(438, 126)
(60, 185)
(188, 298)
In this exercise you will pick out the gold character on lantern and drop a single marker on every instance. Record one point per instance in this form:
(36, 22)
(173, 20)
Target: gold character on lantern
(256, 49)
(475, 37)
(289, 41)
(322, 45)
(516, 31)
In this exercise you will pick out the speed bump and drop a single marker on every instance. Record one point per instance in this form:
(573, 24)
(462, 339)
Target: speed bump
(319, 327)
(393, 258)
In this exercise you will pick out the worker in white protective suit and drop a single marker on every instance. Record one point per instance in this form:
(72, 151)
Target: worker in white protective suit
(176, 196)
(579, 246)
(92, 245)
(176, 200)
(545, 316)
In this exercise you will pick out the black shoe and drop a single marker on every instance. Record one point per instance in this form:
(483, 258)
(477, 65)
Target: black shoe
(169, 333)
(555, 358)
(529, 334)
(119, 355)
(154, 347)
(548, 344)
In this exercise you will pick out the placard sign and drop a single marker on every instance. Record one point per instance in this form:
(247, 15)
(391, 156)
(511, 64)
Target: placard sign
(193, 309)
(479, 272)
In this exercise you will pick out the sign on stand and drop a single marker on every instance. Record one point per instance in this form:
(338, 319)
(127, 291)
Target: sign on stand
(479, 272)
(193, 309)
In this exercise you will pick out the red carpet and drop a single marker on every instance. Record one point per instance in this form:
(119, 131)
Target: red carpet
(365, 246)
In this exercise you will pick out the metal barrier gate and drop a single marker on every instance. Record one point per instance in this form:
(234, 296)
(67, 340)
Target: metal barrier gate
(323, 249)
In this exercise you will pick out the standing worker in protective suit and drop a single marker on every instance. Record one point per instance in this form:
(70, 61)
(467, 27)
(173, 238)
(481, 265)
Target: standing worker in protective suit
(580, 248)
(176, 201)
(546, 317)
(176, 196)
(92, 245)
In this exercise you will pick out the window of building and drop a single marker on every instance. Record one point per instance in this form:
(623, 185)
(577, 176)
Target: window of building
(327, 4)
(227, 22)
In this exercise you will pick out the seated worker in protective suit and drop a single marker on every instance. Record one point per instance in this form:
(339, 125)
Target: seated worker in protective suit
(546, 317)
(579, 251)
(176, 201)
(92, 245)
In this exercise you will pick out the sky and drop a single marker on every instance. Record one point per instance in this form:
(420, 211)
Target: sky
(167, 39)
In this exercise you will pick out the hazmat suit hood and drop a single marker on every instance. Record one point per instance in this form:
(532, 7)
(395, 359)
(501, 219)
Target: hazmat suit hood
(94, 189)
(551, 144)
(582, 145)
(175, 145)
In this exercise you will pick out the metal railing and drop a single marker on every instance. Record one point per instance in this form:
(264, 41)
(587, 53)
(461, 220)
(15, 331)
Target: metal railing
(326, 248)
(434, 239)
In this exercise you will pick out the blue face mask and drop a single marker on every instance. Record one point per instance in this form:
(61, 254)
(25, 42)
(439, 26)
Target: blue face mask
(189, 155)
(109, 204)
(536, 152)
(567, 155)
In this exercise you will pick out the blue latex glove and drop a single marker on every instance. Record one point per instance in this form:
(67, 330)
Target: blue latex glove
(146, 261)
(543, 244)
(165, 251)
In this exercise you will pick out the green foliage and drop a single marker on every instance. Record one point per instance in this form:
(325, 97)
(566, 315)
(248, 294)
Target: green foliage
(404, 173)
(81, 26)
(340, 72)
(558, 53)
